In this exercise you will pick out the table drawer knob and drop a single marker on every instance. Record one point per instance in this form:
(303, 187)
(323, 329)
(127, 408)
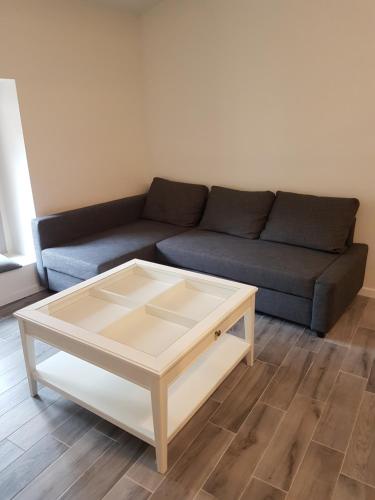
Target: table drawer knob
(217, 333)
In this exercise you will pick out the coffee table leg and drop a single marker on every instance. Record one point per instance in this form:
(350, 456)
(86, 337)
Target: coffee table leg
(29, 355)
(249, 332)
(159, 398)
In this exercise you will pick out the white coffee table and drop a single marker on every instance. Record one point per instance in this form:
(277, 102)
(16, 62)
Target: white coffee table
(142, 345)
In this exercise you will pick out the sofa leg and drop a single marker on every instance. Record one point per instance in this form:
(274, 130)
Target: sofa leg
(321, 335)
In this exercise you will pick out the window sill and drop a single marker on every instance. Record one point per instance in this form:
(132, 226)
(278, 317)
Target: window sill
(19, 283)
(22, 260)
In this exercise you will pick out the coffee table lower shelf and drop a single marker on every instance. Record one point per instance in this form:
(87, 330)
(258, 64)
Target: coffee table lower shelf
(128, 405)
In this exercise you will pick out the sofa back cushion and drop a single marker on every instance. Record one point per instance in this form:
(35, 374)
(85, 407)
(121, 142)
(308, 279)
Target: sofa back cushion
(318, 222)
(176, 203)
(240, 213)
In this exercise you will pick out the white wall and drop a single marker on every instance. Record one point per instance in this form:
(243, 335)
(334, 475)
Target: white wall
(265, 95)
(76, 66)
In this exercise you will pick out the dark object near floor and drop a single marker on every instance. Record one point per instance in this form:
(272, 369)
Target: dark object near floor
(7, 264)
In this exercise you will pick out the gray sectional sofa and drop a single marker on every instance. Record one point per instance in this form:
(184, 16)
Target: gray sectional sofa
(297, 249)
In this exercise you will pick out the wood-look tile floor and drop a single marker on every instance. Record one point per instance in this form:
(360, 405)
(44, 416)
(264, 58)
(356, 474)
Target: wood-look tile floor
(299, 424)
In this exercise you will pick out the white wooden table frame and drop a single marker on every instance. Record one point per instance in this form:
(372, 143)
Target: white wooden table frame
(95, 360)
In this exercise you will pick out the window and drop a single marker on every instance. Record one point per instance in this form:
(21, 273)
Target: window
(16, 201)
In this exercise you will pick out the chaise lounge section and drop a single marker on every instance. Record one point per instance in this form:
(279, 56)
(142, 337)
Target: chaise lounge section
(297, 249)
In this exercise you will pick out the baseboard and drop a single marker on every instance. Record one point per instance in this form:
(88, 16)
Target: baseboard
(367, 292)
(19, 283)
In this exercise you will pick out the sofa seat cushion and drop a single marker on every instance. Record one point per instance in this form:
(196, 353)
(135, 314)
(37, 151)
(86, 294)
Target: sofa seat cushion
(86, 257)
(275, 266)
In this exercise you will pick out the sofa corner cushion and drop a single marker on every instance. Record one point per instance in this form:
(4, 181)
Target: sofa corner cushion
(86, 257)
(317, 222)
(285, 268)
(240, 213)
(177, 203)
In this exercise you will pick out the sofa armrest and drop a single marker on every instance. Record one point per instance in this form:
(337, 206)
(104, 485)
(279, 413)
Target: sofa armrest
(337, 287)
(57, 229)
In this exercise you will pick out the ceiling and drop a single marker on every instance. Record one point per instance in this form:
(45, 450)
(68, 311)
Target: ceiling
(136, 6)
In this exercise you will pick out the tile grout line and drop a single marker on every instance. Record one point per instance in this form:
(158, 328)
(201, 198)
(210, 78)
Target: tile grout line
(14, 385)
(59, 440)
(222, 402)
(310, 350)
(344, 453)
(264, 482)
(38, 441)
(132, 480)
(354, 329)
(300, 383)
(139, 459)
(305, 453)
(226, 397)
(266, 363)
(335, 380)
(253, 476)
(125, 473)
(345, 474)
(327, 446)
(353, 374)
(348, 343)
(269, 340)
(313, 432)
(330, 392)
(258, 399)
(291, 346)
(219, 458)
(271, 406)
(180, 458)
(324, 405)
(83, 473)
(206, 493)
(188, 445)
(42, 471)
(222, 428)
(14, 407)
(13, 444)
(18, 363)
(50, 433)
(308, 371)
(350, 438)
(106, 435)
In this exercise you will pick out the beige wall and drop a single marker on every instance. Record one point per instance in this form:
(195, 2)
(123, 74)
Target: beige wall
(265, 94)
(76, 67)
